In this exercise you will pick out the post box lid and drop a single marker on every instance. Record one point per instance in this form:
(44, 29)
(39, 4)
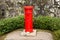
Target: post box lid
(28, 6)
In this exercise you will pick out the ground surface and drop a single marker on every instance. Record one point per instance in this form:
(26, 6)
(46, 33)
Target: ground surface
(41, 35)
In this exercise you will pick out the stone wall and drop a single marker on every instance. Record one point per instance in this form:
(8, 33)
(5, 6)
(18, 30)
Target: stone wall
(12, 8)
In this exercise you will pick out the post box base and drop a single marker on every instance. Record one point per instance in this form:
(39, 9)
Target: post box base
(28, 33)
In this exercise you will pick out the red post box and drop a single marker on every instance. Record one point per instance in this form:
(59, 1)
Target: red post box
(28, 11)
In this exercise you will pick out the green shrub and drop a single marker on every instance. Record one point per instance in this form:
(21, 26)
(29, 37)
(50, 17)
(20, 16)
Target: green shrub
(40, 22)
(45, 22)
(10, 24)
(57, 35)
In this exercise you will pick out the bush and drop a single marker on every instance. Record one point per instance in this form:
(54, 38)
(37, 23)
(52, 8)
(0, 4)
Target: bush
(40, 22)
(45, 22)
(57, 35)
(10, 24)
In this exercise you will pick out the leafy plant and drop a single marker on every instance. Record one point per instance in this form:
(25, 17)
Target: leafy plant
(10, 24)
(45, 22)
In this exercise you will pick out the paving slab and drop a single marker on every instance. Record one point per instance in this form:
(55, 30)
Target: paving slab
(16, 35)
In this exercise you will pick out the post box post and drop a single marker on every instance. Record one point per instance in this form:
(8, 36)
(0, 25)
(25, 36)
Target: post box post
(28, 22)
(28, 12)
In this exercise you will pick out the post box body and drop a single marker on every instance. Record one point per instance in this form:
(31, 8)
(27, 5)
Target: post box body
(28, 11)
